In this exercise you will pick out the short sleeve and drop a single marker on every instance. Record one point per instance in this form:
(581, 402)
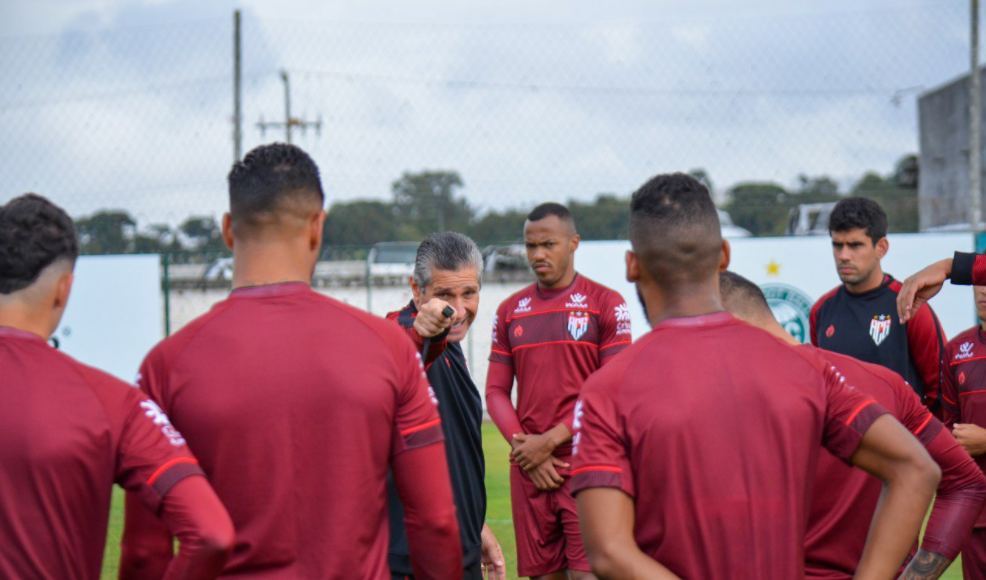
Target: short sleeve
(152, 377)
(500, 351)
(949, 392)
(615, 333)
(416, 420)
(849, 414)
(599, 455)
(914, 415)
(152, 455)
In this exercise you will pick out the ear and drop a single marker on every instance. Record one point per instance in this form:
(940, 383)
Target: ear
(633, 267)
(724, 256)
(63, 289)
(228, 230)
(882, 247)
(415, 289)
(573, 242)
(315, 230)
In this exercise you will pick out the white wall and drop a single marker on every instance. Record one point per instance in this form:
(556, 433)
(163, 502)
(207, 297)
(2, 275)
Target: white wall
(114, 314)
(805, 263)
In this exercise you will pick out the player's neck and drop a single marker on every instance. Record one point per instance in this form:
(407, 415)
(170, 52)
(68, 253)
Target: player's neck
(872, 282)
(564, 282)
(263, 264)
(682, 303)
(778, 332)
(27, 321)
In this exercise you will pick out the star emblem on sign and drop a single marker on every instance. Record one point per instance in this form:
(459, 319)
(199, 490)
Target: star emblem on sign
(773, 268)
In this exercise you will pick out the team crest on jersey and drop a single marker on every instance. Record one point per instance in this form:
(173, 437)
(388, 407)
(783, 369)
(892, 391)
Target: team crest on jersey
(577, 301)
(578, 324)
(965, 351)
(524, 305)
(880, 328)
(157, 416)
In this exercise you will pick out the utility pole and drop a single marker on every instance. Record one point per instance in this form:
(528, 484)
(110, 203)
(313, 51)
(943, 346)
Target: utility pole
(237, 90)
(975, 143)
(289, 121)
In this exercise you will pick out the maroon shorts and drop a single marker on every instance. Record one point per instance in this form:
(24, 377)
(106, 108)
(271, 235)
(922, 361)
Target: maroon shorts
(546, 525)
(974, 556)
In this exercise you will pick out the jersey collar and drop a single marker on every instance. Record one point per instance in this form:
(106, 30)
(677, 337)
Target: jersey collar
(280, 289)
(887, 281)
(11, 332)
(549, 294)
(700, 320)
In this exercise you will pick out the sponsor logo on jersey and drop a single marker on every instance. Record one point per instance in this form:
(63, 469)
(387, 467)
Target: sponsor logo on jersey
(157, 416)
(577, 301)
(962, 378)
(791, 308)
(519, 331)
(578, 324)
(622, 313)
(830, 331)
(965, 351)
(524, 305)
(880, 328)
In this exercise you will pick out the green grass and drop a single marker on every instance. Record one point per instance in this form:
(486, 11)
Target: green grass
(498, 510)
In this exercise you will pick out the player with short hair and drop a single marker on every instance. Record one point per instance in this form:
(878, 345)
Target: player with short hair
(297, 404)
(695, 449)
(859, 317)
(550, 336)
(843, 498)
(448, 274)
(70, 431)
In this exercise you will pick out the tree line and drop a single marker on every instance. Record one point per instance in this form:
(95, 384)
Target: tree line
(430, 201)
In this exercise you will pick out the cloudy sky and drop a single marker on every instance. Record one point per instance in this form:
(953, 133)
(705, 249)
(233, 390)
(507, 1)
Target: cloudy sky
(128, 104)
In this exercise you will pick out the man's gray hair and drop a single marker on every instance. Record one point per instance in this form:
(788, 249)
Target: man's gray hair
(446, 251)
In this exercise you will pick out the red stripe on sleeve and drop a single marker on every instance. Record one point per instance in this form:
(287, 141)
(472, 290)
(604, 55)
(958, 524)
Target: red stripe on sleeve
(859, 410)
(168, 465)
(421, 427)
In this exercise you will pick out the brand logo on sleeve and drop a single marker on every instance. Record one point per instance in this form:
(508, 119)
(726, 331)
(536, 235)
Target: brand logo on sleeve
(157, 416)
(578, 324)
(577, 301)
(965, 351)
(496, 320)
(577, 422)
(880, 328)
(524, 305)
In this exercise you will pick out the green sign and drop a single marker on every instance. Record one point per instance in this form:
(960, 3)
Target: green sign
(791, 308)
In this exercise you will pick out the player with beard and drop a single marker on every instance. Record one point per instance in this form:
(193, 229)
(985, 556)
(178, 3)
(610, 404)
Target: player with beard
(843, 498)
(696, 448)
(859, 318)
(448, 274)
(550, 336)
(297, 405)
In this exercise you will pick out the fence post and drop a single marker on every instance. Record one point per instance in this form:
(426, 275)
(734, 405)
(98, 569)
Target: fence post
(166, 284)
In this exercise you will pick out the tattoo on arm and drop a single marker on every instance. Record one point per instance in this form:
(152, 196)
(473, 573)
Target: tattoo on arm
(926, 566)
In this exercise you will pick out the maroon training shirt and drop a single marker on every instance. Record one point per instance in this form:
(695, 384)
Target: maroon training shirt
(964, 388)
(552, 342)
(295, 404)
(714, 427)
(845, 498)
(69, 433)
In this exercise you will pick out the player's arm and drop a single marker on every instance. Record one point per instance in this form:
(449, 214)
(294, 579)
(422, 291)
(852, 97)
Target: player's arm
(963, 268)
(910, 478)
(960, 497)
(926, 341)
(500, 380)
(607, 518)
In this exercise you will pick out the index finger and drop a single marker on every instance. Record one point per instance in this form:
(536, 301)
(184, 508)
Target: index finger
(905, 299)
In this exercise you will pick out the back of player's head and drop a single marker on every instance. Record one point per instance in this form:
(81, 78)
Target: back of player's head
(552, 209)
(449, 251)
(743, 298)
(272, 183)
(34, 234)
(859, 212)
(674, 230)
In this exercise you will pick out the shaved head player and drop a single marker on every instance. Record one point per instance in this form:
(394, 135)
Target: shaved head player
(296, 404)
(715, 485)
(70, 431)
(843, 498)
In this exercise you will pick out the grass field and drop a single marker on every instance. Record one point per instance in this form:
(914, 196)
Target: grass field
(498, 510)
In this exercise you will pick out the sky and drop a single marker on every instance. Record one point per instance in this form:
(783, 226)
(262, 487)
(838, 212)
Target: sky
(110, 104)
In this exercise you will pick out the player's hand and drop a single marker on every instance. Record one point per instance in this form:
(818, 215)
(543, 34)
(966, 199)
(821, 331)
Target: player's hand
(430, 320)
(545, 477)
(494, 567)
(971, 437)
(531, 450)
(921, 287)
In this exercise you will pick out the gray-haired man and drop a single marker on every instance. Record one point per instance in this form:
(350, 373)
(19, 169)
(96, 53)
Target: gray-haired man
(447, 272)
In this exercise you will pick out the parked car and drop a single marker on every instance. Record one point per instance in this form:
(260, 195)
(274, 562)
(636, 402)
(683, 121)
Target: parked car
(392, 258)
(809, 219)
(729, 229)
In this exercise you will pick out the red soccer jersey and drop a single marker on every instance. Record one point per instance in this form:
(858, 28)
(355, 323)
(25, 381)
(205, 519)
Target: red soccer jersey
(69, 432)
(295, 403)
(553, 341)
(964, 388)
(845, 498)
(714, 427)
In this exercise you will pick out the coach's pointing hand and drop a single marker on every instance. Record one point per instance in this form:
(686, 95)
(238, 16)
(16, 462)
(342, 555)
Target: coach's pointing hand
(431, 321)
